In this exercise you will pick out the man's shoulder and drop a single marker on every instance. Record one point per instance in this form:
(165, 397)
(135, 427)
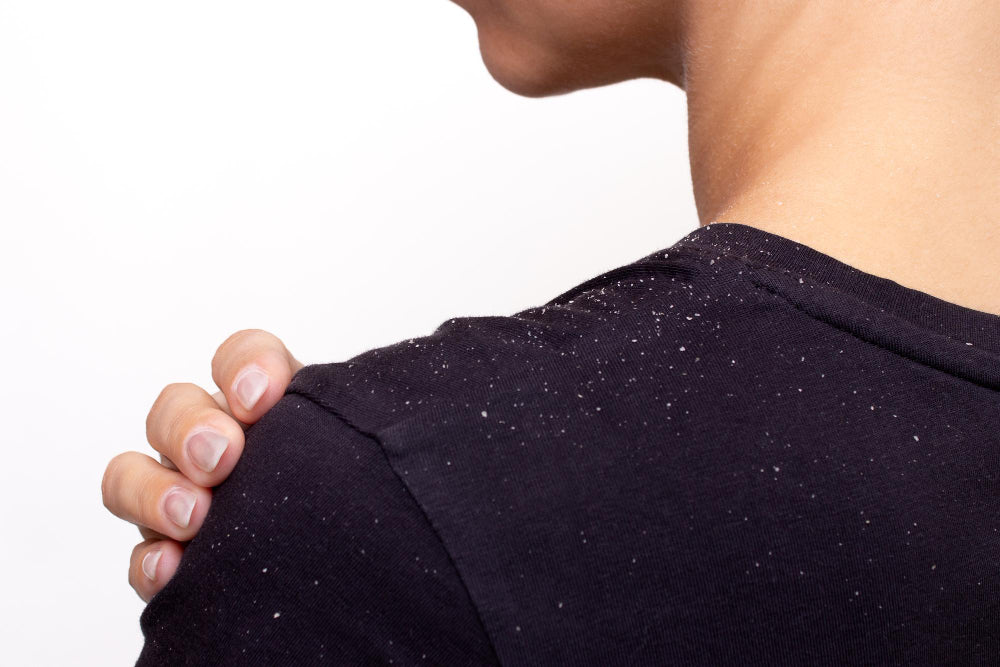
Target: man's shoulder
(636, 316)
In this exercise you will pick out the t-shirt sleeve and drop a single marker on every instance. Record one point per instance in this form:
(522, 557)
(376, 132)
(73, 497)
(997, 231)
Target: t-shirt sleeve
(313, 551)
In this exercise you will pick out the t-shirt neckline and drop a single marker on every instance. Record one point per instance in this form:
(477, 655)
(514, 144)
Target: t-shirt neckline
(973, 334)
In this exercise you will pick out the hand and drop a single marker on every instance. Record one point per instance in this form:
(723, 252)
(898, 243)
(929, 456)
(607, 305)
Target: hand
(200, 438)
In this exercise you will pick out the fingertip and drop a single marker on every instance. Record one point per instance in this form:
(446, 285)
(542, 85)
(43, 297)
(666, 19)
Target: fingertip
(249, 386)
(195, 437)
(258, 386)
(152, 565)
(182, 517)
(253, 368)
(214, 449)
(174, 506)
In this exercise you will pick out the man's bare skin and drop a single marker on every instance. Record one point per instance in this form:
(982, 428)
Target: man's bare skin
(869, 131)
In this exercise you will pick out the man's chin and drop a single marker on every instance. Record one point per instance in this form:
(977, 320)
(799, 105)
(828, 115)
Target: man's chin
(523, 68)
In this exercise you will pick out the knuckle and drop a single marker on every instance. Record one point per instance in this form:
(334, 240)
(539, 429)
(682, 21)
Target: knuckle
(238, 338)
(177, 426)
(135, 567)
(145, 504)
(108, 481)
(222, 352)
(167, 409)
(237, 341)
(174, 391)
(162, 399)
(135, 563)
(137, 551)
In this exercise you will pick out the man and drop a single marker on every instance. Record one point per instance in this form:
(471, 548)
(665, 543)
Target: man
(772, 441)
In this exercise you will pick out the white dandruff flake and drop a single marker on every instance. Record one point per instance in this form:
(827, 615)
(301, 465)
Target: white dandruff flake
(277, 614)
(916, 438)
(681, 348)
(483, 413)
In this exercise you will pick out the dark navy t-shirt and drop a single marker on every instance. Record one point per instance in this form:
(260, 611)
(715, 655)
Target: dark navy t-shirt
(734, 450)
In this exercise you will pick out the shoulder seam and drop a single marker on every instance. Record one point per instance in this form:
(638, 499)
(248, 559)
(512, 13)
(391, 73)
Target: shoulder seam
(347, 422)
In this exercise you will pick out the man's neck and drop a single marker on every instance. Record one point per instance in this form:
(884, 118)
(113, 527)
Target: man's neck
(870, 133)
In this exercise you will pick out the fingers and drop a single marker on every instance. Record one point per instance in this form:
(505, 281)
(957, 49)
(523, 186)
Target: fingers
(253, 369)
(153, 563)
(186, 426)
(148, 534)
(220, 400)
(138, 489)
(200, 439)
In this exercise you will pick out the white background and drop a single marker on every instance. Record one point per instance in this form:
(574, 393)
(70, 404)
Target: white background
(345, 175)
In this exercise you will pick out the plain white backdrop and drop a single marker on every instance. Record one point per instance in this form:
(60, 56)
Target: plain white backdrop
(345, 175)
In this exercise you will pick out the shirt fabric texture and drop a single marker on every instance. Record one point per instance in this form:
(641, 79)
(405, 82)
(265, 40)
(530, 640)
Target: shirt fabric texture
(735, 450)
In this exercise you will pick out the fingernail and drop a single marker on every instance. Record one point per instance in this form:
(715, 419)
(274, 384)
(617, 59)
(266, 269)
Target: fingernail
(178, 504)
(149, 562)
(250, 386)
(205, 448)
